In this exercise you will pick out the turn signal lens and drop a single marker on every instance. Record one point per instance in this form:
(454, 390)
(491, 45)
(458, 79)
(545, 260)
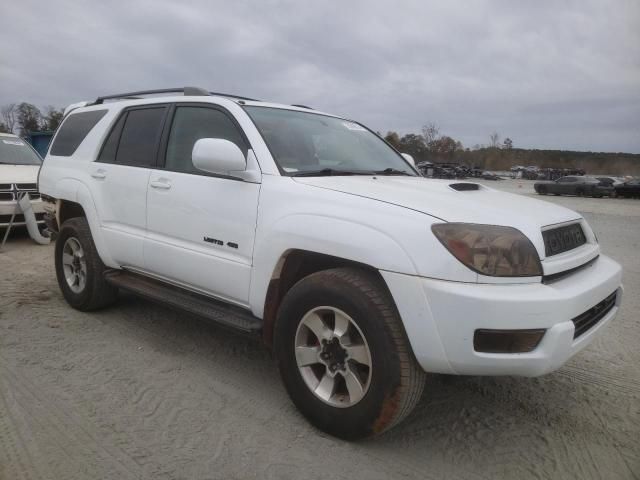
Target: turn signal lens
(490, 250)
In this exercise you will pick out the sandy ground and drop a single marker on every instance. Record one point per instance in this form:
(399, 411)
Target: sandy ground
(138, 391)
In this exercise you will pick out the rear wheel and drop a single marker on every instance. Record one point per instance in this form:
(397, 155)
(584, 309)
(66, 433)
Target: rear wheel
(343, 354)
(542, 190)
(79, 270)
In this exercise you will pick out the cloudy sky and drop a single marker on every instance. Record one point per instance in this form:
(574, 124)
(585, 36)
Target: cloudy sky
(548, 74)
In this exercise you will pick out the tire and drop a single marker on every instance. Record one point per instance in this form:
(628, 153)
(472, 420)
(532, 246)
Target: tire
(94, 292)
(542, 190)
(393, 382)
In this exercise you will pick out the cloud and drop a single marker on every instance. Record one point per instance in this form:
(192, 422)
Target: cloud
(547, 74)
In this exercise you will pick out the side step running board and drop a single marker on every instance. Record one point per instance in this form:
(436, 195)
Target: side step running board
(184, 300)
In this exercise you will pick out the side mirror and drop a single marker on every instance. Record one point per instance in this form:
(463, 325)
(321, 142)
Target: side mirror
(215, 155)
(409, 159)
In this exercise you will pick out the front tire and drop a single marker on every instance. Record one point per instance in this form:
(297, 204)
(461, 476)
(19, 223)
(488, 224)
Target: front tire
(344, 356)
(79, 269)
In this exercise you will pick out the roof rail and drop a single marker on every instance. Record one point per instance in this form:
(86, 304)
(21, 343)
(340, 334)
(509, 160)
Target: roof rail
(218, 94)
(187, 91)
(132, 95)
(301, 106)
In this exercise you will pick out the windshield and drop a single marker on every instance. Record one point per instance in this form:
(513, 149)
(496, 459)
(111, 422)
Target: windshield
(15, 151)
(307, 143)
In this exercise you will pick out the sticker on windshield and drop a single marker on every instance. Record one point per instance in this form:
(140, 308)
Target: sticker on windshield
(354, 126)
(17, 143)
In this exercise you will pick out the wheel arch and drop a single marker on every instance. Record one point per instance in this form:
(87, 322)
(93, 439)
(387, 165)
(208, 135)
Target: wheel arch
(292, 266)
(73, 199)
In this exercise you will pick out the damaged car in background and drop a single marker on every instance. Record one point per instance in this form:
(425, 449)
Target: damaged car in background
(308, 229)
(580, 186)
(20, 202)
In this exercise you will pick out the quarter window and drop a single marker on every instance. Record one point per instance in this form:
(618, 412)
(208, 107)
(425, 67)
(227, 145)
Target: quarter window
(191, 124)
(73, 131)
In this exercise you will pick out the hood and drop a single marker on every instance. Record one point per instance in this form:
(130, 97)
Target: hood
(438, 199)
(18, 173)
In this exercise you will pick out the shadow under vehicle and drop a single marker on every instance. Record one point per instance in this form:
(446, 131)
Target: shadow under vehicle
(575, 185)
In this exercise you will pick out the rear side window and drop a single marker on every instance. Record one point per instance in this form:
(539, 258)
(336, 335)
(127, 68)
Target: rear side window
(140, 137)
(73, 131)
(110, 147)
(135, 137)
(191, 124)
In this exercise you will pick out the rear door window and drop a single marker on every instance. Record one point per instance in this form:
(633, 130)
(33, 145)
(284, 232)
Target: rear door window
(73, 131)
(140, 137)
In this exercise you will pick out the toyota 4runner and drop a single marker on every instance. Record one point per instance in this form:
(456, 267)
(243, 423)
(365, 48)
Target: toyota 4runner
(310, 230)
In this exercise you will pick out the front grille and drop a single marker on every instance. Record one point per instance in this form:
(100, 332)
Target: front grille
(562, 239)
(592, 316)
(13, 191)
(554, 277)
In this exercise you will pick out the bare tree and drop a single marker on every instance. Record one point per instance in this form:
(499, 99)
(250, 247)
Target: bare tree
(430, 132)
(9, 116)
(495, 139)
(52, 118)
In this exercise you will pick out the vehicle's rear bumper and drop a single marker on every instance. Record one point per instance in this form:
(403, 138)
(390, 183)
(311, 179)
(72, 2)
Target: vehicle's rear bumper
(441, 317)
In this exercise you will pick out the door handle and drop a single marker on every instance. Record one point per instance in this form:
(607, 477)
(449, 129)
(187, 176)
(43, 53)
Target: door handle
(99, 174)
(161, 184)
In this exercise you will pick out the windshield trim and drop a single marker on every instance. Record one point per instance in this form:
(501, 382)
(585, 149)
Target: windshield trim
(413, 171)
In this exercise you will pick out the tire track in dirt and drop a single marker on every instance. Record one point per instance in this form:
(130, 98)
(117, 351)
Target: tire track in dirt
(603, 379)
(74, 437)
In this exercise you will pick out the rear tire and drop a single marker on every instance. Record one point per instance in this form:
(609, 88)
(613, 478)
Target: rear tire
(542, 190)
(386, 390)
(79, 269)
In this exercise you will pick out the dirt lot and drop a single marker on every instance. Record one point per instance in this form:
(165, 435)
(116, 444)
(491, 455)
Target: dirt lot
(138, 391)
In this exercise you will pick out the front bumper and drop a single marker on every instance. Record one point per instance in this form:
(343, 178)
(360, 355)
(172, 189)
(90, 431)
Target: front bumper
(7, 209)
(440, 318)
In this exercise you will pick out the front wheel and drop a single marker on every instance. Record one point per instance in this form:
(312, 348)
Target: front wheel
(343, 354)
(79, 270)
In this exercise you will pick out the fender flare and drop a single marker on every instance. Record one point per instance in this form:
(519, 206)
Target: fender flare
(324, 235)
(75, 191)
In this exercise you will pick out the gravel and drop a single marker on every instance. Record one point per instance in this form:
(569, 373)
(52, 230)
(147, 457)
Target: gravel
(138, 391)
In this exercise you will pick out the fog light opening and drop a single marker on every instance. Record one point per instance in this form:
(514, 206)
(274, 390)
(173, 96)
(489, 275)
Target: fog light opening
(507, 341)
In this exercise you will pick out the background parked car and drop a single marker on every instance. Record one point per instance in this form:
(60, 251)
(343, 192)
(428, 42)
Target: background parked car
(19, 165)
(575, 185)
(628, 189)
(614, 181)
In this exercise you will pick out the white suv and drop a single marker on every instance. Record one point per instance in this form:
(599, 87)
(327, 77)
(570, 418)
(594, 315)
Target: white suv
(309, 229)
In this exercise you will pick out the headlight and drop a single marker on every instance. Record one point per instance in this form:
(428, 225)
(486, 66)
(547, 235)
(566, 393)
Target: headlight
(490, 249)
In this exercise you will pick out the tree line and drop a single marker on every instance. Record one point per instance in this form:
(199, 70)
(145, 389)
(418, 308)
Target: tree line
(431, 146)
(501, 154)
(22, 118)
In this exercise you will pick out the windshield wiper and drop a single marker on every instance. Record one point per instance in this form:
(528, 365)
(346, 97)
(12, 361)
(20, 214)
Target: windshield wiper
(392, 171)
(330, 172)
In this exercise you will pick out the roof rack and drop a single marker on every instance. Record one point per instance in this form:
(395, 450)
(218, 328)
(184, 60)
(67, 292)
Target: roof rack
(187, 91)
(218, 94)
